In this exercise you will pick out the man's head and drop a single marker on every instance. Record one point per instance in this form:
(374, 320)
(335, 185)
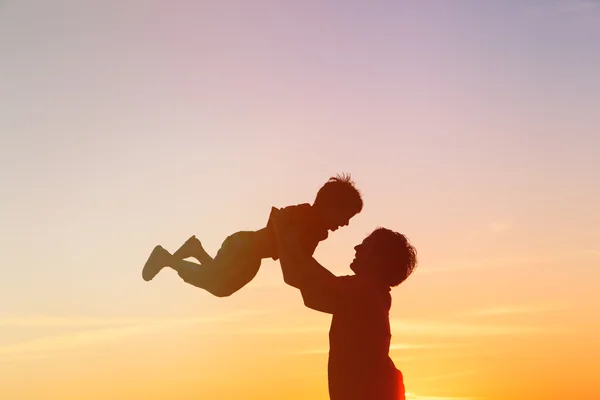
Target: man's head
(337, 201)
(385, 255)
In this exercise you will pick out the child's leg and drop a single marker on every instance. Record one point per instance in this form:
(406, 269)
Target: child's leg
(202, 276)
(193, 248)
(235, 264)
(159, 258)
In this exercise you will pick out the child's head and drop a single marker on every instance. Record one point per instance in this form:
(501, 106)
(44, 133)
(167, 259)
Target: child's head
(385, 255)
(337, 201)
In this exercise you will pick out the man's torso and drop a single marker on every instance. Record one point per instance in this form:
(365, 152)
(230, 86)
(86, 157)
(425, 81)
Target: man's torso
(359, 339)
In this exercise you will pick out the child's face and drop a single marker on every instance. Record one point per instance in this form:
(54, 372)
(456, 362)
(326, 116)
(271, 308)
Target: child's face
(338, 217)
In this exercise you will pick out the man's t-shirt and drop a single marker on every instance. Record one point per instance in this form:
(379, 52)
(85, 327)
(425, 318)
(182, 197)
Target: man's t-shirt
(359, 338)
(310, 229)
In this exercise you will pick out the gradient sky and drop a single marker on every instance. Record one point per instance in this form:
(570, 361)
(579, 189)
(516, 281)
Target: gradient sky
(471, 126)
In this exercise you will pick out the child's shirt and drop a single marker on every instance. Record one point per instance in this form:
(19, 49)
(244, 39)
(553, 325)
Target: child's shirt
(310, 228)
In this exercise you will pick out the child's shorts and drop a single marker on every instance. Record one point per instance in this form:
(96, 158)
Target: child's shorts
(237, 262)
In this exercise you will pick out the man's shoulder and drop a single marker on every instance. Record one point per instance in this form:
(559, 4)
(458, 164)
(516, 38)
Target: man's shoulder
(348, 280)
(366, 286)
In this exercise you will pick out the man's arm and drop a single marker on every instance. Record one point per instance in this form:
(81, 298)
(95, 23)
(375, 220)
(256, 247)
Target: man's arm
(298, 266)
(321, 290)
(300, 216)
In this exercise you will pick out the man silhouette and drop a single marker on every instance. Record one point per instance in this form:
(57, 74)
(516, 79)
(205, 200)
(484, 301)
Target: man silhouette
(241, 254)
(359, 366)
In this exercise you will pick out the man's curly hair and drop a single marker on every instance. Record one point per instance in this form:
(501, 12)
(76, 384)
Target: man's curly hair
(395, 257)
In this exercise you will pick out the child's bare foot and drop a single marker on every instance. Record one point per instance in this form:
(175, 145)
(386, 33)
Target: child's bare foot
(193, 248)
(159, 258)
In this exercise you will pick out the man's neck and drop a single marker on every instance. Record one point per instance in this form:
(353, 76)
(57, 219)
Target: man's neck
(372, 281)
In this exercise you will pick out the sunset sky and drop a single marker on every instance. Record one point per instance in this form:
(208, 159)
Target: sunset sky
(473, 127)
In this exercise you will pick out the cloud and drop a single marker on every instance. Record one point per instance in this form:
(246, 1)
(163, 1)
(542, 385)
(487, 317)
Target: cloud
(411, 396)
(500, 226)
(75, 340)
(417, 328)
(405, 327)
(99, 331)
(279, 330)
(489, 231)
(475, 354)
(105, 330)
(81, 322)
(515, 309)
(418, 346)
(485, 263)
(393, 346)
(511, 261)
(443, 329)
(593, 253)
(322, 350)
(449, 376)
(62, 322)
(8, 358)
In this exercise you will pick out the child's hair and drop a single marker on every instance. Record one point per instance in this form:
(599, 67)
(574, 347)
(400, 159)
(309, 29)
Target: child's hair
(340, 191)
(397, 258)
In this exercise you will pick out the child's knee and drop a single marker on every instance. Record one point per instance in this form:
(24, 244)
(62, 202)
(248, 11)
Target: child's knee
(222, 291)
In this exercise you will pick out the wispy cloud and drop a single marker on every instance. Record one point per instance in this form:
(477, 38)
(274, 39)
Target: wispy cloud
(279, 330)
(490, 230)
(443, 329)
(393, 346)
(104, 330)
(518, 261)
(476, 354)
(99, 331)
(63, 322)
(591, 252)
(419, 346)
(514, 309)
(449, 376)
(75, 340)
(82, 322)
(8, 358)
(484, 263)
(500, 226)
(405, 327)
(322, 350)
(411, 396)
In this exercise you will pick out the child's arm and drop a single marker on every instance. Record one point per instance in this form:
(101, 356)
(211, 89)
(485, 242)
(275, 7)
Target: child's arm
(303, 220)
(298, 266)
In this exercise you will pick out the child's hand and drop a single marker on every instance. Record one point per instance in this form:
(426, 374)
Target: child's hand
(281, 221)
(284, 227)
